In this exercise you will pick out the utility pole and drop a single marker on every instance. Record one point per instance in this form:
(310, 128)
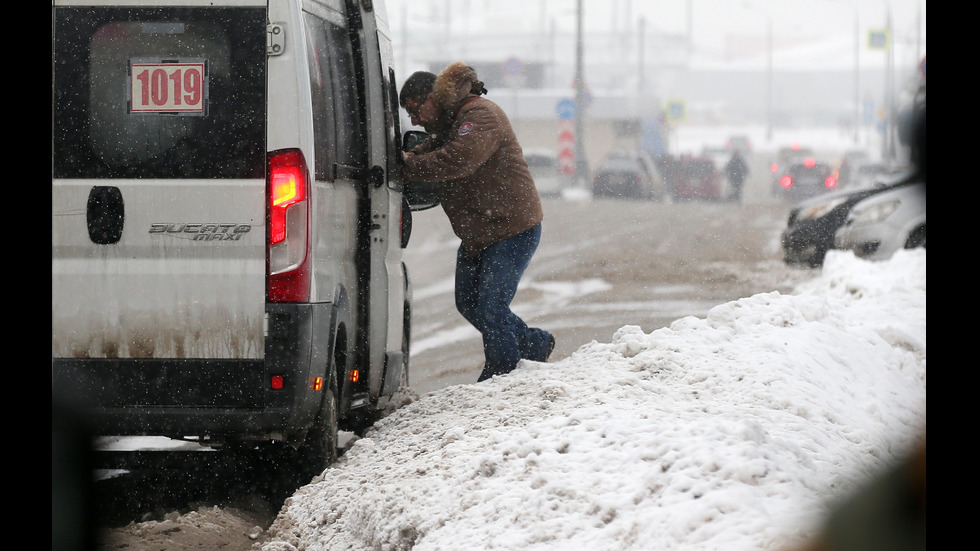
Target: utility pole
(857, 78)
(769, 79)
(889, 137)
(641, 77)
(769, 54)
(580, 162)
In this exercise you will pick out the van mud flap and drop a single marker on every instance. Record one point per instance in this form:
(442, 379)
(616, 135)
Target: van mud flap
(393, 369)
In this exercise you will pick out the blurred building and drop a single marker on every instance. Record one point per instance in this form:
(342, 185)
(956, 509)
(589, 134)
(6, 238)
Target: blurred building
(636, 78)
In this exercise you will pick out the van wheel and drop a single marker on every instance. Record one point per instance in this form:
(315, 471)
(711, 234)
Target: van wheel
(320, 448)
(816, 260)
(917, 238)
(279, 468)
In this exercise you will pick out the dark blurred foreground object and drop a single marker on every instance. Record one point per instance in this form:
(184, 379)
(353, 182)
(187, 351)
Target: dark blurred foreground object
(919, 142)
(72, 508)
(888, 514)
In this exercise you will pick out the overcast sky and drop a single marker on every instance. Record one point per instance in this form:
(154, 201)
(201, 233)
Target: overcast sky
(714, 24)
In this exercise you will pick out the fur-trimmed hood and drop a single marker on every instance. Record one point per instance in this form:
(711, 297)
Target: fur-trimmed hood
(454, 84)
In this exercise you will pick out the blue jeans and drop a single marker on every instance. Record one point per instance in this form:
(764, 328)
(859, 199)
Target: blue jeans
(485, 286)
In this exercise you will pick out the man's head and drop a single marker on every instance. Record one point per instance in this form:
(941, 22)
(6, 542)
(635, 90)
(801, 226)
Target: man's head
(416, 99)
(456, 83)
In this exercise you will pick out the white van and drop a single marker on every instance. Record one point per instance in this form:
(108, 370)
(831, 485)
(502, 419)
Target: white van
(227, 223)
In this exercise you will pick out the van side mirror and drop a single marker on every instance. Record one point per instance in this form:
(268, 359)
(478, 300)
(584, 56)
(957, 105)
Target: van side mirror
(412, 139)
(420, 195)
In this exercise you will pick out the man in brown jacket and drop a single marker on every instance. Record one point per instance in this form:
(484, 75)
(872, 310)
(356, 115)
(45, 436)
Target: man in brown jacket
(493, 206)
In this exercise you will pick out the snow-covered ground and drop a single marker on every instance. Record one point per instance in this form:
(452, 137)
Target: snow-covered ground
(734, 431)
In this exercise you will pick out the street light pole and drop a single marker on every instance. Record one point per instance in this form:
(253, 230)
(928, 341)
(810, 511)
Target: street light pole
(580, 164)
(857, 77)
(641, 77)
(888, 141)
(769, 81)
(769, 54)
(857, 73)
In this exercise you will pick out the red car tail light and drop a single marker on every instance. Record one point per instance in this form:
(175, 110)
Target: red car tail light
(289, 214)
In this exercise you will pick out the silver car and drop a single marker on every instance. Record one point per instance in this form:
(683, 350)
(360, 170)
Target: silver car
(881, 224)
(629, 174)
(543, 165)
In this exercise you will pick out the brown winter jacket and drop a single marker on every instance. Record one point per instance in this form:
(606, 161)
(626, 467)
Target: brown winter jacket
(487, 191)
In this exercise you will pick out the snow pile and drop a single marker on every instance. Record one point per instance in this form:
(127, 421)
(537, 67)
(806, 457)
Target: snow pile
(728, 432)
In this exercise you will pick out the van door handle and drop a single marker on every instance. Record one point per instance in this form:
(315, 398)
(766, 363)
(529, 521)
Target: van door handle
(105, 215)
(375, 175)
(347, 172)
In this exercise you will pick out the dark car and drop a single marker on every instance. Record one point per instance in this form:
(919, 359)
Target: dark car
(697, 178)
(785, 157)
(628, 174)
(805, 178)
(812, 223)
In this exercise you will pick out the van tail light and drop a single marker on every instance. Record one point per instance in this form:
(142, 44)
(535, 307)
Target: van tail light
(830, 182)
(786, 181)
(289, 232)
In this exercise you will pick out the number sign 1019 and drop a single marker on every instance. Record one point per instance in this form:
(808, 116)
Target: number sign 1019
(167, 88)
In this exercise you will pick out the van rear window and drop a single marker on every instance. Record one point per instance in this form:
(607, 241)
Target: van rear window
(159, 93)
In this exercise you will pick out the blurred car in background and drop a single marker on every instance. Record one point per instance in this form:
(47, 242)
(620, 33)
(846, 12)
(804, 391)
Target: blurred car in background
(848, 164)
(739, 143)
(857, 169)
(812, 224)
(785, 156)
(718, 155)
(866, 173)
(628, 174)
(543, 165)
(883, 223)
(697, 178)
(806, 177)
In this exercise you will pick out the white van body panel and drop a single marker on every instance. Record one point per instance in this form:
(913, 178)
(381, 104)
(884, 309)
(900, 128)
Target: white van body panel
(387, 278)
(333, 209)
(185, 281)
(170, 312)
(187, 277)
(291, 122)
(163, 3)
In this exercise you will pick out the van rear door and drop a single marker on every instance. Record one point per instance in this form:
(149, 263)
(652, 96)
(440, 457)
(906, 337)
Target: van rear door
(387, 316)
(158, 180)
